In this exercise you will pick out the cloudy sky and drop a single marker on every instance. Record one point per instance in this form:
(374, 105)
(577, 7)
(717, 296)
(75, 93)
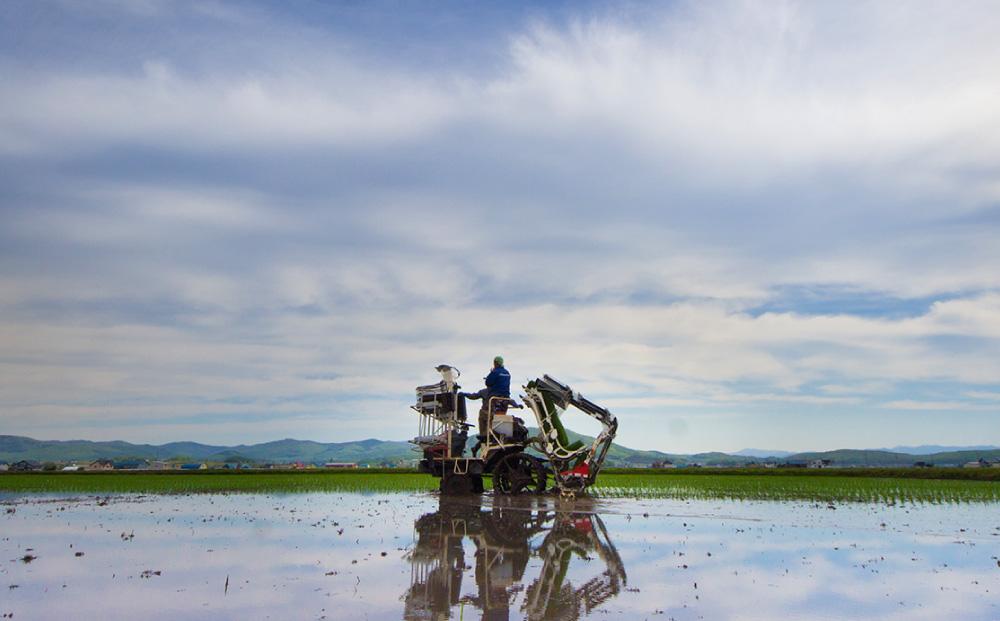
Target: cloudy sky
(735, 224)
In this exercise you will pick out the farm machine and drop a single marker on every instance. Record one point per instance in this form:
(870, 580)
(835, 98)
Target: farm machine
(502, 451)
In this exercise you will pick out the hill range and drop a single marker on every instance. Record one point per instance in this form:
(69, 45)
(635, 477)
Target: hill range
(397, 453)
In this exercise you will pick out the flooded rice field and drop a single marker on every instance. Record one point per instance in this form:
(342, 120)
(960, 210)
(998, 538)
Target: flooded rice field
(415, 556)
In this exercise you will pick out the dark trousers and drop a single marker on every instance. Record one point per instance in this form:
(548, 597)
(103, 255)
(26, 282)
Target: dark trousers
(484, 418)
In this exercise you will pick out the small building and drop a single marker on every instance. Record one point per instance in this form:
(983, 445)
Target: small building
(232, 466)
(161, 465)
(666, 463)
(101, 464)
(194, 467)
(347, 465)
(72, 468)
(132, 464)
(25, 465)
(793, 464)
(979, 463)
(4, 466)
(819, 463)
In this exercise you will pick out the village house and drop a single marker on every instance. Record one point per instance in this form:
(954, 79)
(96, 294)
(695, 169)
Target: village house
(820, 463)
(4, 466)
(25, 466)
(980, 463)
(793, 464)
(131, 464)
(101, 464)
(340, 464)
(194, 467)
(666, 463)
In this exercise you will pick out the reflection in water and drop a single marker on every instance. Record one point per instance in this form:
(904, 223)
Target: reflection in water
(505, 539)
(356, 556)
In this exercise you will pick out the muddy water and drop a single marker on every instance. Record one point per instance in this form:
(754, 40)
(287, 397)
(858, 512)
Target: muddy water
(349, 556)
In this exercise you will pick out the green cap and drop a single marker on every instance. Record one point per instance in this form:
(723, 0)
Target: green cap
(498, 360)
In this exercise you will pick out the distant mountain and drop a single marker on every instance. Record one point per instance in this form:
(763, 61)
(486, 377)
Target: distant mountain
(762, 453)
(377, 452)
(930, 449)
(851, 457)
(371, 451)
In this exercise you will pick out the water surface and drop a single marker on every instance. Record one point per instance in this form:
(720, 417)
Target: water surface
(413, 556)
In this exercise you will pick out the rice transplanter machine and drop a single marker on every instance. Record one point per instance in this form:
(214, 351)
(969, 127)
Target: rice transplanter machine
(502, 452)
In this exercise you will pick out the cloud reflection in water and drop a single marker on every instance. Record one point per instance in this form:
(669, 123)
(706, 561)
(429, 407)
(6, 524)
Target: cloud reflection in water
(383, 556)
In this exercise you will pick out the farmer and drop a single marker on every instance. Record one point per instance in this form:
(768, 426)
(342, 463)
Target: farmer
(497, 385)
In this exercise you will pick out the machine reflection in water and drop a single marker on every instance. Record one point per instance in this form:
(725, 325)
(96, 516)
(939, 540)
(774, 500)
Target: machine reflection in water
(503, 538)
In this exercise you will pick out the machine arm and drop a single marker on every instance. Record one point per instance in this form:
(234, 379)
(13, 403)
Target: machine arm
(565, 396)
(575, 466)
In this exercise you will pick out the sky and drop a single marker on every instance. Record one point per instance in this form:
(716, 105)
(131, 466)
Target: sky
(735, 224)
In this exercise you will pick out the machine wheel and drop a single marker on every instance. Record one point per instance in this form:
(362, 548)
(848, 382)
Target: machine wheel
(517, 473)
(457, 485)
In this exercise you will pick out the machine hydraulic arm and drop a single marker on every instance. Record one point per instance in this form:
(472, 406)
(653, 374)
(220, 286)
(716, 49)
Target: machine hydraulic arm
(575, 465)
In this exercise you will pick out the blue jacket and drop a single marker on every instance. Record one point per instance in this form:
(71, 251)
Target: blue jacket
(498, 382)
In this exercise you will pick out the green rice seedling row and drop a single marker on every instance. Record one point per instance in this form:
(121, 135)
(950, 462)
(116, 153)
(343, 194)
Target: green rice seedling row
(798, 487)
(818, 487)
(173, 482)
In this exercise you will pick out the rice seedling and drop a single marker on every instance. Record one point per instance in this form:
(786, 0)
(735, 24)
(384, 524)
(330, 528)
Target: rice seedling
(176, 482)
(813, 488)
(874, 488)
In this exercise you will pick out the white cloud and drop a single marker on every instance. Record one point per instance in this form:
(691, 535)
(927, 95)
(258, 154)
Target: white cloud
(162, 107)
(984, 395)
(756, 90)
(752, 91)
(859, 388)
(933, 405)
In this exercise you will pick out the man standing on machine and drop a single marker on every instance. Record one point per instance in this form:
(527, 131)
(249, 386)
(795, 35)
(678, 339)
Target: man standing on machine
(497, 385)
